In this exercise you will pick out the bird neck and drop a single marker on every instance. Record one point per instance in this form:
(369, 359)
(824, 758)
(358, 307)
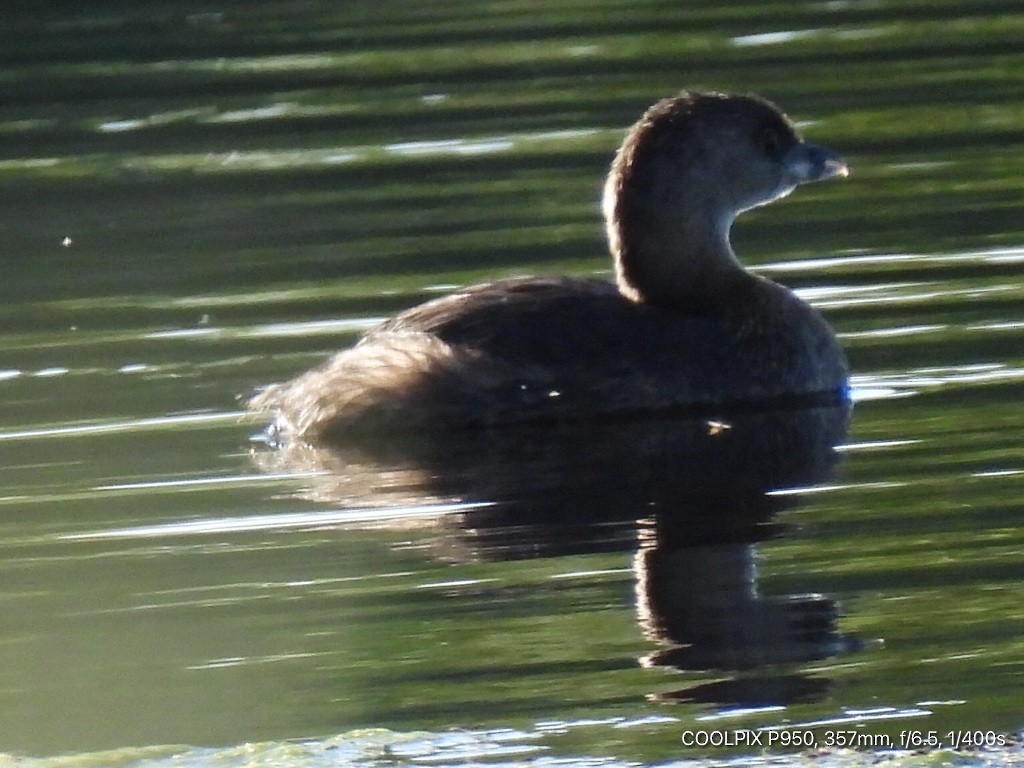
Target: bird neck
(684, 262)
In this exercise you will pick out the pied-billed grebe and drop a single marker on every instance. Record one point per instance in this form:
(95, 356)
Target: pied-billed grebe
(684, 326)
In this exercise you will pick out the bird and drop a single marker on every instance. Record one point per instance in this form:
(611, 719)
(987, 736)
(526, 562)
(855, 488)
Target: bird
(684, 326)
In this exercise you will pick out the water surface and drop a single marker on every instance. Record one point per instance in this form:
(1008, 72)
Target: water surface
(199, 202)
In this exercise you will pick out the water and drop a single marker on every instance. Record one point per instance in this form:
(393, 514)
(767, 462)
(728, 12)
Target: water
(198, 202)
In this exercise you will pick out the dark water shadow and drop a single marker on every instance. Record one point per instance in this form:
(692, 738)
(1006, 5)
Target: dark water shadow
(690, 498)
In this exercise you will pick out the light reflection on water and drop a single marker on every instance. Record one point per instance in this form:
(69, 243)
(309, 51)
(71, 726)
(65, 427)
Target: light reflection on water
(297, 520)
(265, 160)
(288, 330)
(881, 386)
(133, 425)
(995, 256)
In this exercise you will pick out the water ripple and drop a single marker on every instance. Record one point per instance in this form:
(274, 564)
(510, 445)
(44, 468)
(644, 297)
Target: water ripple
(126, 425)
(276, 521)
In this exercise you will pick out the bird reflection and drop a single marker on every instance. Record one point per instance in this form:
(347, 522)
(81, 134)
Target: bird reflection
(688, 496)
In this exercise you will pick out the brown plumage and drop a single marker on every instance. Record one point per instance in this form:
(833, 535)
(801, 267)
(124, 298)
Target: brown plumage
(684, 327)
